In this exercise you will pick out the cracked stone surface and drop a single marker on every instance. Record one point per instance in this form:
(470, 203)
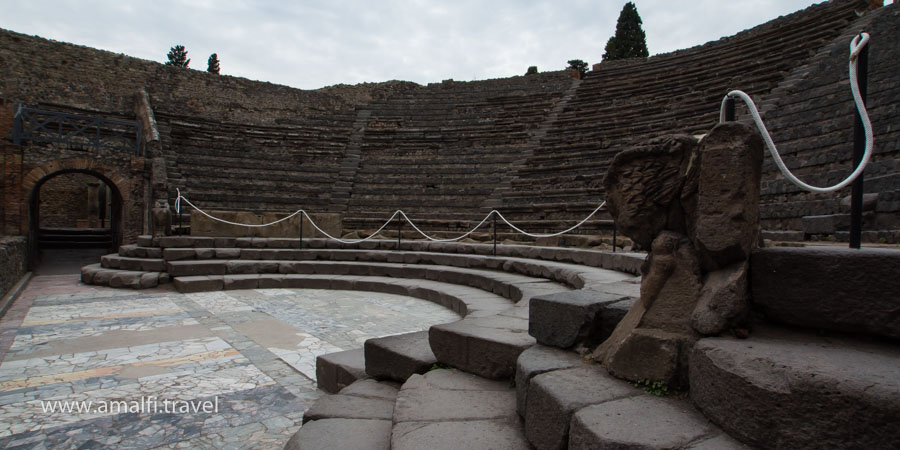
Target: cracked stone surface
(250, 352)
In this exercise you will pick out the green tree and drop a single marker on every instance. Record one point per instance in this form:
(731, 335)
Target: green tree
(532, 70)
(178, 57)
(212, 64)
(629, 40)
(578, 65)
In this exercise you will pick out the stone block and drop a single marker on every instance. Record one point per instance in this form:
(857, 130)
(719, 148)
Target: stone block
(566, 318)
(339, 406)
(485, 346)
(335, 371)
(399, 356)
(145, 241)
(125, 278)
(829, 288)
(179, 254)
(250, 281)
(202, 283)
(345, 434)
(227, 253)
(370, 388)
(192, 268)
(482, 434)
(206, 253)
(554, 396)
(644, 422)
(535, 361)
(450, 395)
(149, 280)
(723, 216)
(787, 389)
(827, 224)
(652, 354)
(724, 301)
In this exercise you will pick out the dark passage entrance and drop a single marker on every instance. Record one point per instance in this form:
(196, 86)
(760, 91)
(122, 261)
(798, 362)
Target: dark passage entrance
(75, 218)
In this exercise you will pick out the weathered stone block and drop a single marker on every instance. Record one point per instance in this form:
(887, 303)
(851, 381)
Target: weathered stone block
(535, 361)
(565, 318)
(787, 390)
(829, 288)
(724, 224)
(724, 300)
(345, 434)
(644, 422)
(335, 371)
(554, 396)
(399, 356)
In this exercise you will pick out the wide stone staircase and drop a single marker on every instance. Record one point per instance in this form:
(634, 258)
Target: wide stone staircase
(820, 367)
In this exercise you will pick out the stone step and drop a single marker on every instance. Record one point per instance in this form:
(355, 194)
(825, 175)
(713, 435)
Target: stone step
(647, 422)
(626, 262)
(335, 371)
(100, 276)
(829, 288)
(583, 317)
(536, 360)
(399, 356)
(359, 417)
(486, 346)
(512, 286)
(449, 409)
(135, 251)
(114, 261)
(461, 299)
(785, 389)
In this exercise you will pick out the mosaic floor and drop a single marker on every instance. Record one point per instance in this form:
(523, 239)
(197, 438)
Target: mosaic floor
(231, 369)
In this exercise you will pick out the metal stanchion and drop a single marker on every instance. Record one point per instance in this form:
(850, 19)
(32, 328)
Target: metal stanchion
(301, 231)
(399, 229)
(859, 148)
(495, 232)
(614, 237)
(729, 109)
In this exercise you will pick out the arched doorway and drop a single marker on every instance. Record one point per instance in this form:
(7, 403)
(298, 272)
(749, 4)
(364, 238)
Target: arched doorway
(75, 215)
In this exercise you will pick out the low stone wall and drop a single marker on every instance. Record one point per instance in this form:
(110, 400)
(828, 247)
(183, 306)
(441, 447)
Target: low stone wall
(13, 261)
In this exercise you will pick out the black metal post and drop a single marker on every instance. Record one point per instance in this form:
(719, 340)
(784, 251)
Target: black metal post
(859, 148)
(399, 229)
(301, 231)
(614, 237)
(729, 109)
(180, 231)
(495, 233)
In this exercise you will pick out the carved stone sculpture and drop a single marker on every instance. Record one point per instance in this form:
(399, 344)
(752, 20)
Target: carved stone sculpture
(696, 207)
(161, 218)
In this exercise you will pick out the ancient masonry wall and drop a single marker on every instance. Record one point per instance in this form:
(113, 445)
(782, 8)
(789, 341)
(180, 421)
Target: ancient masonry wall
(13, 261)
(64, 201)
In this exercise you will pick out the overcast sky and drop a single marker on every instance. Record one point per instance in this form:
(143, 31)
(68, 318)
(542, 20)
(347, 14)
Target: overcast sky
(311, 44)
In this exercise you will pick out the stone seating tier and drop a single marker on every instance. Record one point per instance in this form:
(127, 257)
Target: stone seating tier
(622, 103)
(491, 292)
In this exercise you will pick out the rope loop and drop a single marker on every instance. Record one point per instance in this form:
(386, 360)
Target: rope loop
(856, 45)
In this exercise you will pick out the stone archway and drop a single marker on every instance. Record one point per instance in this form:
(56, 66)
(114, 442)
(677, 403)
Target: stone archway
(119, 184)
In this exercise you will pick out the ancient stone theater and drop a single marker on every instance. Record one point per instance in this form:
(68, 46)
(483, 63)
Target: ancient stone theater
(696, 249)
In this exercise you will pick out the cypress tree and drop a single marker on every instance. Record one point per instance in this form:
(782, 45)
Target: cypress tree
(178, 57)
(629, 40)
(212, 64)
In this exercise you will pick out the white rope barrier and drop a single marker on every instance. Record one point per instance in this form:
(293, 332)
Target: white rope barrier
(856, 45)
(386, 223)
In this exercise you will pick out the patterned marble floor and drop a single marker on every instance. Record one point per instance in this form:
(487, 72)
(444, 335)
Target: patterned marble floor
(151, 362)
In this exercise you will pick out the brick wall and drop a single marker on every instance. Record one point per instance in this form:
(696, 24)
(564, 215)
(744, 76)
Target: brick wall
(65, 201)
